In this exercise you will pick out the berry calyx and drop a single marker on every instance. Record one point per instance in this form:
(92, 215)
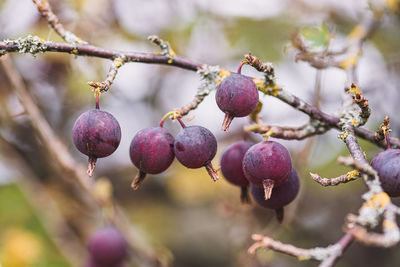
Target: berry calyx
(107, 247)
(237, 96)
(281, 196)
(195, 147)
(97, 134)
(231, 167)
(387, 163)
(267, 165)
(151, 151)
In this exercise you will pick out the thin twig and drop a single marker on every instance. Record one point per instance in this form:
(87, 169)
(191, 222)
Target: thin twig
(342, 179)
(288, 133)
(344, 243)
(389, 237)
(112, 73)
(192, 105)
(24, 46)
(45, 10)
(318, 253)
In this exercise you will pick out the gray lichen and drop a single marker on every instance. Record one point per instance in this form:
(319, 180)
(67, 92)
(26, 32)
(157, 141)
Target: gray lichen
(209, 77)
(72, 38)
(322, 253)
(29, 44)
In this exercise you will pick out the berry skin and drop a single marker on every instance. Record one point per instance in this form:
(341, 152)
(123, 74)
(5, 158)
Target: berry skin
(387, 164)
(97, 134)
(152, 151)
(237, 96)
(107, 248)
(231, 166)
(267, 164)
(281, 196)
(195, 147)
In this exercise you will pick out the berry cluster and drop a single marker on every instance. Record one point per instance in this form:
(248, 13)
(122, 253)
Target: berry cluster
(264, 166)
(267, 168)
(153, 149)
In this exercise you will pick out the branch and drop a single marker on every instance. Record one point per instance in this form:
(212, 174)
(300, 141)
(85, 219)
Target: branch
(36, 45)
(389, 238)
(44, 9)
(342, 179)
(288, 133)
(325, 255)
(112, 73)
(166, 49)
(344, 243)
(192, 105)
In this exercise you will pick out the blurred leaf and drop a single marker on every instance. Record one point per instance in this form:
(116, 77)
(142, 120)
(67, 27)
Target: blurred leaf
(20, 229)
(264, 38)
(316, 37)
(20, 248)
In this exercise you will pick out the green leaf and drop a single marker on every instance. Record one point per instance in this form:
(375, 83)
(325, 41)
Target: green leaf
(316, 37)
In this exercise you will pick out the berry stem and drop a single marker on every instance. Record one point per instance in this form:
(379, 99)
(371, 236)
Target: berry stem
(227, 122)
(181, 123)
(211, 171)
(239, 71)
(244, 194)
(279, 214)
(387, 138)
(166, 116)
(92, 165)
(97, 93)
(268, 185)
(137, 181)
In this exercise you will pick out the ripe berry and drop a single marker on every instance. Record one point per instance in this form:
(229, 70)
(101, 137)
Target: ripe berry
(231, 166)
(267, 165)
(152, 151)
(195, 147)
(107, 247)
(387, 164)
(97, 134)
(281, 195)
(237, 96)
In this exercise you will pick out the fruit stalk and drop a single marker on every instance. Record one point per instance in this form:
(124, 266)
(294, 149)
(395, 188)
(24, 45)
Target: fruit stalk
(244, 194)
(92, 165)
(268, 185)
(211, 171)
(227, 121)
(279, 214)
(137, 181)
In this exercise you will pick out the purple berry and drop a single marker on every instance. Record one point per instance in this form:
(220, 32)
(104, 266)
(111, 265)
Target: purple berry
(152, 151)
(387, 164)
(195, 147)
(231, 166)
(267, 165)
(97, 134)
(281, 195)
(237, 96)
(107, 247)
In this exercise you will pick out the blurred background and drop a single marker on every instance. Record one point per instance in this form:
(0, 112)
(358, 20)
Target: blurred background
(181, 213)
